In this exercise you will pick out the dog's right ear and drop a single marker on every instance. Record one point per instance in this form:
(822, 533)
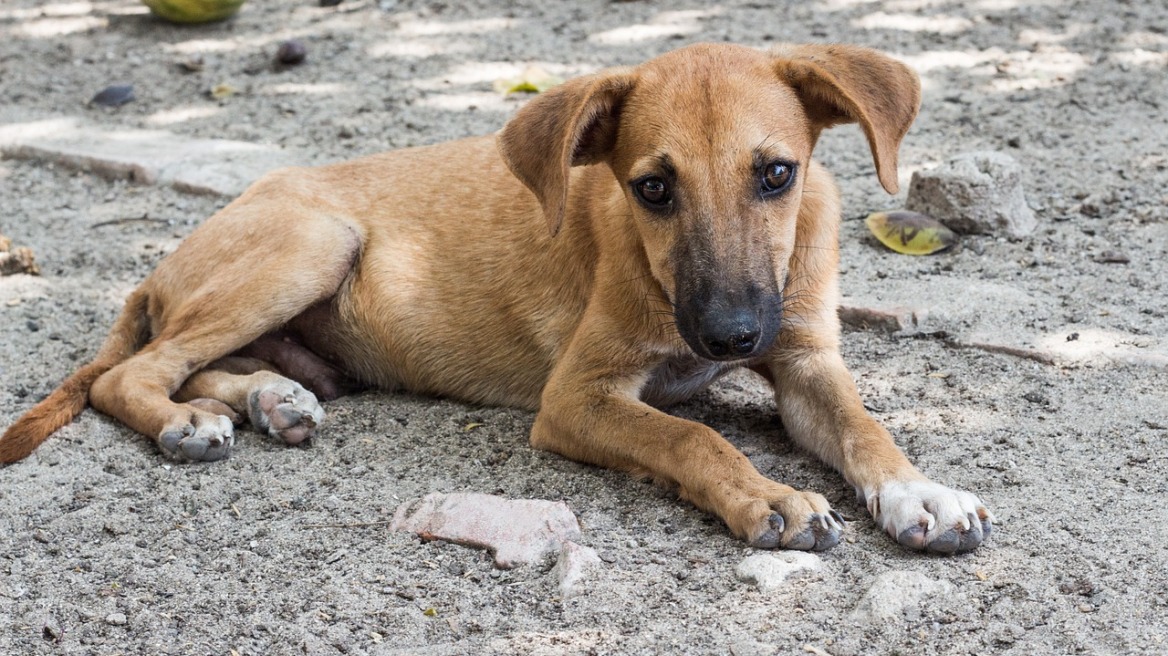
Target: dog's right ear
(569, 125)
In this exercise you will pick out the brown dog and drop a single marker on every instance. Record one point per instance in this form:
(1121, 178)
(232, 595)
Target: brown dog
(626, 239)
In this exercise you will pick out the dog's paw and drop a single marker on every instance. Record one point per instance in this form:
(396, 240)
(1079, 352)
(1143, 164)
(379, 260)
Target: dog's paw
(927, 516)
(799, 520)
(285, 410)
(206, 438)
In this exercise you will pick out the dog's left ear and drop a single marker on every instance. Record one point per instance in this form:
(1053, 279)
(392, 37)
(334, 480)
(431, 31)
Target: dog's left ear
(569, 125)
(848, 84)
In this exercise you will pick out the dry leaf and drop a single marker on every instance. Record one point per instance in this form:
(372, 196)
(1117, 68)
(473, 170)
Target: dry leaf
(910, 233)
(533, 80)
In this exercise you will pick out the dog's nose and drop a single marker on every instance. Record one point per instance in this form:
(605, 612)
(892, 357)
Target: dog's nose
(734, 334)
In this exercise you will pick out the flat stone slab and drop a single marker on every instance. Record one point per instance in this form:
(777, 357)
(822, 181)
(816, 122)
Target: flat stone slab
(993, 316)
(516, 531)
(218, 167)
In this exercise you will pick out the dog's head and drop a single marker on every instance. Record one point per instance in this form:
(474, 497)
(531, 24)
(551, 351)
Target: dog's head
(711, 144)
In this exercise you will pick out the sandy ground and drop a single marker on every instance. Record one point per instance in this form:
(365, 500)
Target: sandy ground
(106, 547)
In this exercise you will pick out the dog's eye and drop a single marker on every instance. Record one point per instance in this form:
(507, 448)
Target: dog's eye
(653, 191)
(776, 177)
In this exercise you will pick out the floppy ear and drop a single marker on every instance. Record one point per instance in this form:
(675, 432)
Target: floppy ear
(569, 125)
(848, 84)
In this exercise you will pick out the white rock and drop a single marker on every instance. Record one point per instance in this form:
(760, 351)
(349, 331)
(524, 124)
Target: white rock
(573, 564)
(768, 571)
(894, 593)
(974, 193)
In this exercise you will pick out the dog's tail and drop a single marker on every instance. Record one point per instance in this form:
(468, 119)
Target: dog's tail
(67, 401)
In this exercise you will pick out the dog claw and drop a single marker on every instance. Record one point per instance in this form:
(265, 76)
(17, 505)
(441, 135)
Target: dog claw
(209, 442)
(770, 537)
(946, 543)
(912, 537)
(823, 534)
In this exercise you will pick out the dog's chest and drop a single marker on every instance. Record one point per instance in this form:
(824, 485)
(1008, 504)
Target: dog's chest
(678, 379)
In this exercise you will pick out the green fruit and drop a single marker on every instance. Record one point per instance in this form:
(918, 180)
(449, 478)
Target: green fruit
(193, 11)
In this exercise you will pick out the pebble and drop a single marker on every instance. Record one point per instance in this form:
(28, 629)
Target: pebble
(114, 95)
(768, 571)
(116, 619)
(894, 593)
(574, 562)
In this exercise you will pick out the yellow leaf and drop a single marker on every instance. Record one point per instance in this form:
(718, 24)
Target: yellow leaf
(430, 612)
(221, 91)
(910, 233)
(533, 80)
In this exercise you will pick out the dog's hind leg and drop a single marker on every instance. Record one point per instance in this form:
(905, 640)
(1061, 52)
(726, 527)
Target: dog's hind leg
(248, 271)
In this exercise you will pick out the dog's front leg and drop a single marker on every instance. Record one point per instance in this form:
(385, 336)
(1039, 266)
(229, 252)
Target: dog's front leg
(822, 411)
(590, 412)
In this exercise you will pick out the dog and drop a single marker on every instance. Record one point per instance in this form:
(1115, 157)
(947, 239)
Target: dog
(626, 239)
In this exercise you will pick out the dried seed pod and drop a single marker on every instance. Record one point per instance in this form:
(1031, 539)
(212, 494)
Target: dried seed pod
(291, 53)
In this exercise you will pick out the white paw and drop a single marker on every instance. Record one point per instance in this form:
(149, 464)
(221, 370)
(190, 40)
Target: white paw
(924, 515)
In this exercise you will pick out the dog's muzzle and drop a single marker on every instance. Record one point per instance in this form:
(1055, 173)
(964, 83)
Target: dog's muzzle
(734, 333)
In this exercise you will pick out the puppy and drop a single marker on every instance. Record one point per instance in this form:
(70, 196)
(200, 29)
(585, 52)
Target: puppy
(626, 239)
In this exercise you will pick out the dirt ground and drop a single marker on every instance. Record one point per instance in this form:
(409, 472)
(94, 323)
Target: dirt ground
(106, 547)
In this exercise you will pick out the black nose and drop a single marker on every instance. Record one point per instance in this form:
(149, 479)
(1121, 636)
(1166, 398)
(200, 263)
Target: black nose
(732, 334)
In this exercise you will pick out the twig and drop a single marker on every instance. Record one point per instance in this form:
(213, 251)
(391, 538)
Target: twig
(349, 524)
(1028, 354)
(145, 218)
(1000, 349)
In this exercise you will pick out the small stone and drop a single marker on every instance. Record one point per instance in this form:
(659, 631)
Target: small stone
(116, 619)
(768, 571)
(894, 593)
(192, 64)
(114, 95)
(1090, 209)
(974, 193)
(573, 564)
(51, 629)
(1112, 257)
